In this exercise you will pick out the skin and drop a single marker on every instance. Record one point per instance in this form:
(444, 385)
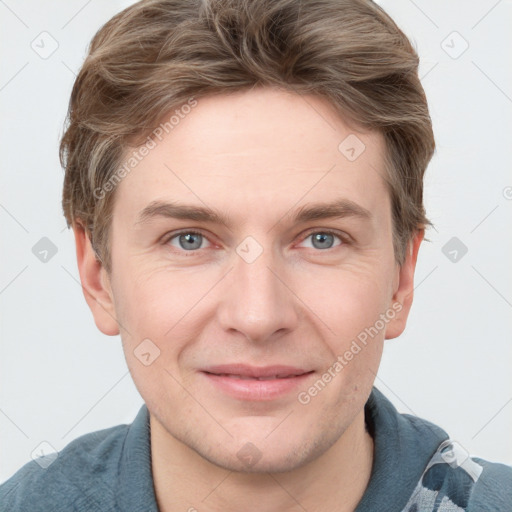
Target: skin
(257, 157)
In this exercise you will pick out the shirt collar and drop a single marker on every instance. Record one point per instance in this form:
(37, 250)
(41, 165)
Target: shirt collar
(403, 445)
(135, 490)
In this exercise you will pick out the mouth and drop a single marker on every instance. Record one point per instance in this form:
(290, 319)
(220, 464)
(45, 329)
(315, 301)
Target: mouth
(245, 377)
(252, 383)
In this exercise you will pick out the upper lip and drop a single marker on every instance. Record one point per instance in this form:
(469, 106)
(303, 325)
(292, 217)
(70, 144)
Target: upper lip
(245, 370)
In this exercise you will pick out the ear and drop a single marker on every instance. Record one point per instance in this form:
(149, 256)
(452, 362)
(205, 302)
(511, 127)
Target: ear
(404, 288)
(95, 283)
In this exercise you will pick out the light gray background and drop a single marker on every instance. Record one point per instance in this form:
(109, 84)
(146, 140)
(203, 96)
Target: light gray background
(61, 378)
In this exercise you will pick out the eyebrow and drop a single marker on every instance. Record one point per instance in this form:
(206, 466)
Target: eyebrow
(339, 208)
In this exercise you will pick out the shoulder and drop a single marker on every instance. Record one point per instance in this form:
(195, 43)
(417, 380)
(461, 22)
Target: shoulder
(72, 479)
(454, 478)
(493, 490)
(455, 481)
(433, 472)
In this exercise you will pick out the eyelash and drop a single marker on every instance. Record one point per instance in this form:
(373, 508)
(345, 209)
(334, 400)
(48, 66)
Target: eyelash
(344, 238)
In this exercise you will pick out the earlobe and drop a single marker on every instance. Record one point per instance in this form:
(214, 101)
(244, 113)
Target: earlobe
(404, 291)
(95, 283)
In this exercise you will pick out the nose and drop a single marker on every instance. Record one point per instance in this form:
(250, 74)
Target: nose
(258, 300)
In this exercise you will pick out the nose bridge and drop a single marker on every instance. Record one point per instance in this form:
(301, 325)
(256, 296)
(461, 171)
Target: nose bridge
(256, 301)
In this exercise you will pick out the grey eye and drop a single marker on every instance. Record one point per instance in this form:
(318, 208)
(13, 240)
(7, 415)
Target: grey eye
(322, 240)
(189, 241)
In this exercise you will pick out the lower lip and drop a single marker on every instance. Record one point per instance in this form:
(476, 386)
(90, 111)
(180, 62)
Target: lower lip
(257, 390)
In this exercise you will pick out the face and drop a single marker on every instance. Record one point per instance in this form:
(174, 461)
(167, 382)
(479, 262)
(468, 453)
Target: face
(250, 244)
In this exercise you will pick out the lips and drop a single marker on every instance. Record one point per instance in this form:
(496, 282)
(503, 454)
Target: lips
(245, 377)
(256, 384)
(243, 371)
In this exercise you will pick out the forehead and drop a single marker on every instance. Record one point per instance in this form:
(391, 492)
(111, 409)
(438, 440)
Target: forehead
(253, 148)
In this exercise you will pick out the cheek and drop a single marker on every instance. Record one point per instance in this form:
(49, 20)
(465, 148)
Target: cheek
(350, 306)
(354, 332)
(170, 309)
(155, 310)
(151, 303)
(347, 301)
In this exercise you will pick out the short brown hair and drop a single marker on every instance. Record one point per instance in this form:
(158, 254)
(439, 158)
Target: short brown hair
(158, 54)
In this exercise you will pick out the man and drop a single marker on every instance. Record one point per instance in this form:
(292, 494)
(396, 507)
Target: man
(244, 180)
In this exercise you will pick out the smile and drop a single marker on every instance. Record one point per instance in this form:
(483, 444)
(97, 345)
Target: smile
(249, 383)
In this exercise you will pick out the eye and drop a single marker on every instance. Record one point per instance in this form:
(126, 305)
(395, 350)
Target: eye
(192, 241)
(324, 239)
(187, 240)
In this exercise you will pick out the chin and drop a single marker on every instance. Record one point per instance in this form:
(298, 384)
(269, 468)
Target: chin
(276, 463)
(279, 455)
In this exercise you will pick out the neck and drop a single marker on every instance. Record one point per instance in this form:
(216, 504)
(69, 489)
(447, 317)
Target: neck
(336, 480)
